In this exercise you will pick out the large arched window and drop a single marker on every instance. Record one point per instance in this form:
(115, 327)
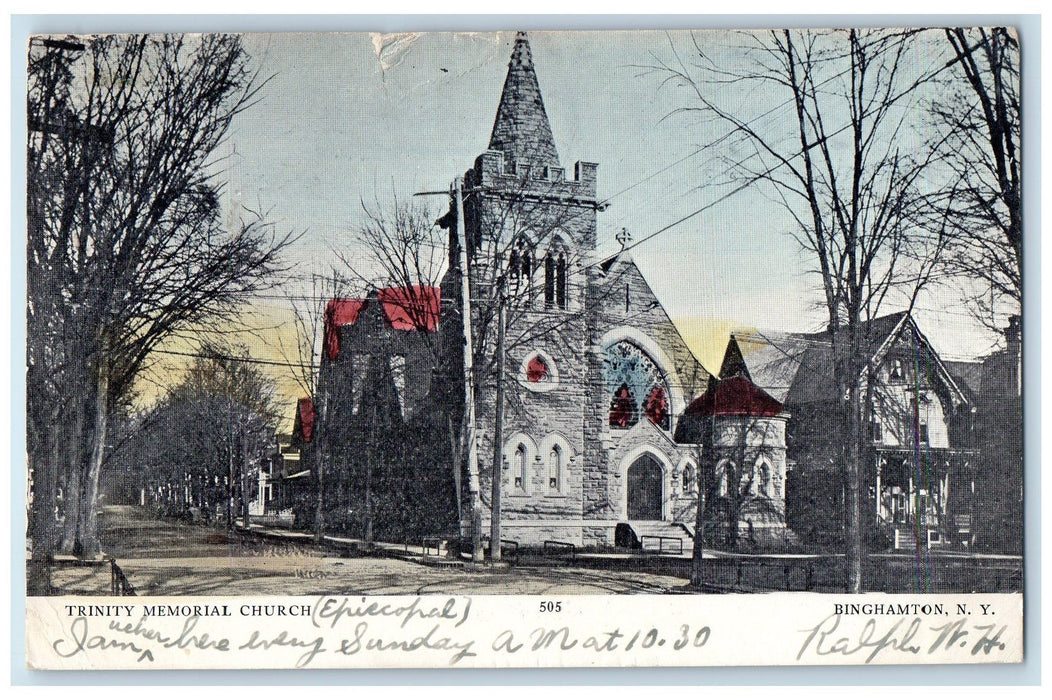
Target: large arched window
(636, 386)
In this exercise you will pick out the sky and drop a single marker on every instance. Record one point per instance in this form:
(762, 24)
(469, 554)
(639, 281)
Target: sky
(347, 118)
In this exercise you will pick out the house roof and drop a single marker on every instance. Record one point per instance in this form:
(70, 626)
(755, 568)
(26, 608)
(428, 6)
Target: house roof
(968, 375)
(521, 129)
(339, 313)
(303, 428)
(735, 396)
(413, 308)
(797, 368)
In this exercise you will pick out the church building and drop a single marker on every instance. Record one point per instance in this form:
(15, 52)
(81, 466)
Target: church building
(595, 375)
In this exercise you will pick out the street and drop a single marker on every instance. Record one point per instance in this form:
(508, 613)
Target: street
(163, 557)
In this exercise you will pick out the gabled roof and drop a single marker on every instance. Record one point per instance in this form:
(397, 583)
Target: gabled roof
(798, 368)
(969, 376)
(414, 308)
(339, 313)
(521, 130)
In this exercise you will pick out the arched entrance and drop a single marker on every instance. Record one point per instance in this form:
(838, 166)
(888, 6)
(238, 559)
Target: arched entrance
(645, 489)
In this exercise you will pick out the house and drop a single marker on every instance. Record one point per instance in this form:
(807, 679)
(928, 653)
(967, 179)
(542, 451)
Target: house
(373, 398)
(919, 460)
(995, 385)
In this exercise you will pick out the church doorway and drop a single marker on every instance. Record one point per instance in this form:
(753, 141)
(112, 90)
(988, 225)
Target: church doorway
(645, 489)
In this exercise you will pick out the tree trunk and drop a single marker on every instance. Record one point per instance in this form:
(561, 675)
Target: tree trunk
(88, 533)
(244, 477)
(852, 506)
(706, 471)
(42, 513)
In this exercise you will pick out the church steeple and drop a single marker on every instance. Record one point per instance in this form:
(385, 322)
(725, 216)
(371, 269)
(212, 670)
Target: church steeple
(521, 130)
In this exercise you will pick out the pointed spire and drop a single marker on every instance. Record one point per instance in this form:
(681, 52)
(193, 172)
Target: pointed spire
(733, 361)
(521, 130)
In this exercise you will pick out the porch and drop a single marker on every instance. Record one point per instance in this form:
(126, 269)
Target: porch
(925, 497)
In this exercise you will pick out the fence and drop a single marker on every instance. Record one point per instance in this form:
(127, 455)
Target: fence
(556, 547)
(675, 544)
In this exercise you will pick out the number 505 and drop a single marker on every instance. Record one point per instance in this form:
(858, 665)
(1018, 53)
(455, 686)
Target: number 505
(551, 606)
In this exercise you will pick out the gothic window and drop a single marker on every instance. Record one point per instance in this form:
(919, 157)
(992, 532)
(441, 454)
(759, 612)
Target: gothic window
(555, 466)
(555, 278)
(359, 376)
(538, 372)
(724, 470)
(688, 479)
(636, 387)
(763, 475)
(398, 377)
(549, 281)
(521, 465)
(520, 267)
(560, 281)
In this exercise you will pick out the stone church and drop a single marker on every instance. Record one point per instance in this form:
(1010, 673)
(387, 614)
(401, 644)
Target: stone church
(596, 375)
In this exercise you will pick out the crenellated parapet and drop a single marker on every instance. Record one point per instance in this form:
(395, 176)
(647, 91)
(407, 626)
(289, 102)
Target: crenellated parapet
(495, 173)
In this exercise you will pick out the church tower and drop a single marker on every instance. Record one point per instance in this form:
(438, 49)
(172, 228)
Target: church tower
(529, 228)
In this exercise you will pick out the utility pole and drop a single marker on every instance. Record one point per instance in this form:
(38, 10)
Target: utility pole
(468, 430)
(498, 430)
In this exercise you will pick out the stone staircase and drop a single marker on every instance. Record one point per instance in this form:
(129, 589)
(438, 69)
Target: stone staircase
(677, 538)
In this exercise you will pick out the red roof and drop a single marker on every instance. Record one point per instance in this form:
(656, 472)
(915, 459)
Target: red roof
(304, 425)
(413, 308)
(735, 396)
(338, 313)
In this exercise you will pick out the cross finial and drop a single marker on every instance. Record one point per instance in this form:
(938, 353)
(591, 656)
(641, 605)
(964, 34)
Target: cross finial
(623, 237)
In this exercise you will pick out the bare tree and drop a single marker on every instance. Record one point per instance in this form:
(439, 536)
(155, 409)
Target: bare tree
(202, 444)
(842, 163)
(126, 241)
(979, 132)
(304, 357)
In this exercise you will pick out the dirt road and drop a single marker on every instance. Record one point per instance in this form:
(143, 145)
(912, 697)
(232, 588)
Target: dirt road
(163, 557)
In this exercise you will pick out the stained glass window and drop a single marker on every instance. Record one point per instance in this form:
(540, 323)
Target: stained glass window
(536, 370)
(636, 386)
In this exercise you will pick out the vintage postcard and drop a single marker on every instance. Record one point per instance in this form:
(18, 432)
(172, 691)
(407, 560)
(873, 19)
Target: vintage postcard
(355, 350)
